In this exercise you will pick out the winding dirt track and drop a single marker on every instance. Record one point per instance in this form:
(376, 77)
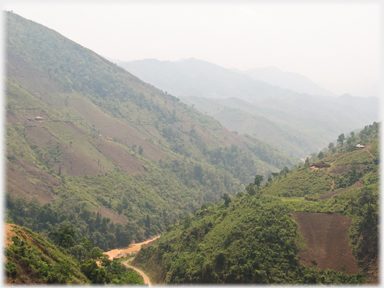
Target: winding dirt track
(145, 277)
(118, 253)
(135, 247)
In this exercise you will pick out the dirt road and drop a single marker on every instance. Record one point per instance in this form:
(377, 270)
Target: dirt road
(145, 277)
(118, 253)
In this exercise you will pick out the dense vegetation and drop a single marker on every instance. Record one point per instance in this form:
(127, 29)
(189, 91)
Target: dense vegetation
(32, 259)
(252, 238)
(109, 146)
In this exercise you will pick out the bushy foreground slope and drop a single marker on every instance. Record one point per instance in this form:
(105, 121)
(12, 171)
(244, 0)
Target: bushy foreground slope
(89, 143)
(254, 237)
(31, 259)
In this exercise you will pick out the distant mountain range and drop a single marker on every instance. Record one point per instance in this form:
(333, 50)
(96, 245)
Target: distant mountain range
(193, 77)
(297, 123)
(286, 80)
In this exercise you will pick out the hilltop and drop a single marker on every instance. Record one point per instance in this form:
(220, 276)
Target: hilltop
(93, 145)
(314, 224)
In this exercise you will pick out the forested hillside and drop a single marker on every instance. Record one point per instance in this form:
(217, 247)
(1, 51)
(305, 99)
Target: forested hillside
(313, 224)
(91, 145)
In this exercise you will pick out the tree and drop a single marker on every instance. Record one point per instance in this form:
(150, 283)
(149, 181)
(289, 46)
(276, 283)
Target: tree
(141, 150)
(148, 222)
(331, 146)
(258, 180)
(227, 199)
(321, 155)
(341, 139)
(64, 235)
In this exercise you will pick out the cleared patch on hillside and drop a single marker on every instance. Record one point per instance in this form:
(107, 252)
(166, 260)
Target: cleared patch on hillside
(28, 181)
(75, 163)
(326, 239)
(9, 234)
(119, 156)
(115, 129)
(338, 170)
(39, 136)
(104, 211)
(336, 192)
(75, 128)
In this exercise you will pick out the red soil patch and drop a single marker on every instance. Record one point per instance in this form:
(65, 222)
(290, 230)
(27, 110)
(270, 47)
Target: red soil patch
(9, 234)
(104, 211)
(9, 118)
(114, 128)
(37, 186)
(76, 164)
(119, 156)
(326, 238)
(339, 170)
(40, 136)
(129, 136)
(313, 168)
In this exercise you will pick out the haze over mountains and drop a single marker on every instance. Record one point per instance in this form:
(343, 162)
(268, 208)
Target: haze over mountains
(96, 159)
(251, 106)
(288, 80)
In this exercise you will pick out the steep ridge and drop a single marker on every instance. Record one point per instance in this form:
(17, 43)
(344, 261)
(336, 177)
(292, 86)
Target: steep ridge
(90, 144)
(282, 231)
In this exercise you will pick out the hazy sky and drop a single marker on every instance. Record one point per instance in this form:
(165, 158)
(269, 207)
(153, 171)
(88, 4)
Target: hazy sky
(335, 45)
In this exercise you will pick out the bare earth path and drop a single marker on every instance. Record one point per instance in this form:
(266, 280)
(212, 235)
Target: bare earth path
(145, 277)
(135, 247)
